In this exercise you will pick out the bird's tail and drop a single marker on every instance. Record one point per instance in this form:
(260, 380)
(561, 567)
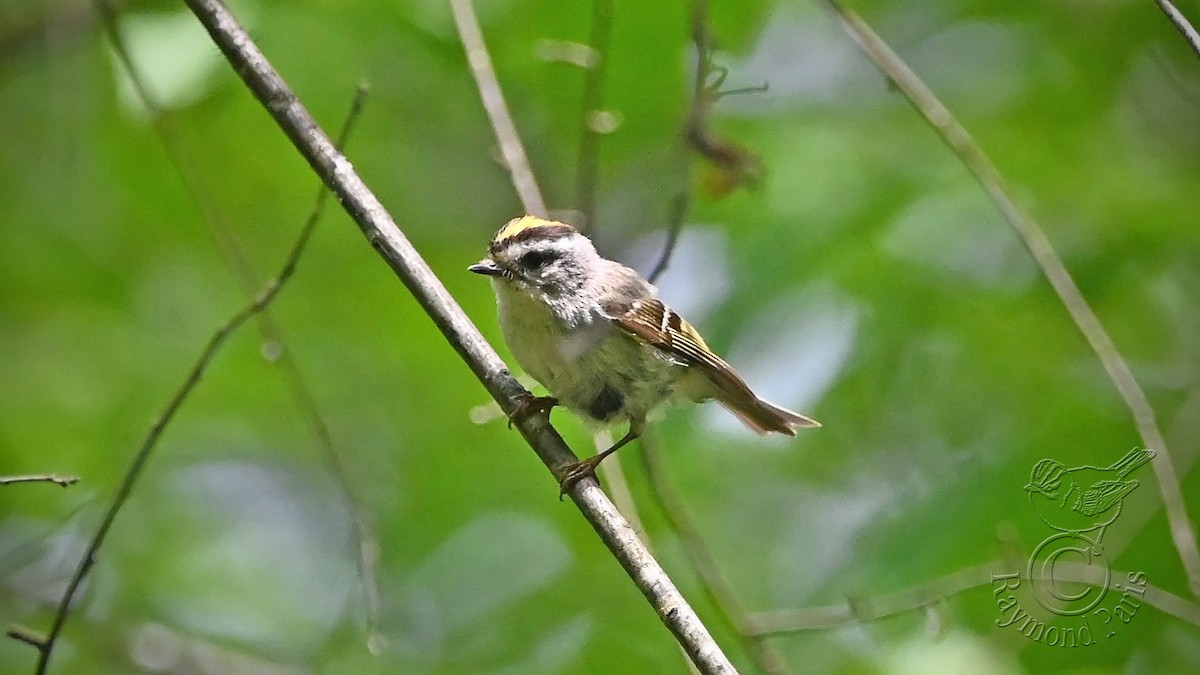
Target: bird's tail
(1132, 460)
(764, 417)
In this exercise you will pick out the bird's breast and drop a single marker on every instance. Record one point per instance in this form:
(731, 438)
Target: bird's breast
(592, 367)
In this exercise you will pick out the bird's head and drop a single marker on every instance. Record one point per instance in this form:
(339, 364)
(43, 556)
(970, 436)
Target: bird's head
(1046, 478)
(531, 254)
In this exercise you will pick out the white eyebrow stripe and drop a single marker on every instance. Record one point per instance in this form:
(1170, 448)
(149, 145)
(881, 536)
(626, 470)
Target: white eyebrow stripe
(561, 245)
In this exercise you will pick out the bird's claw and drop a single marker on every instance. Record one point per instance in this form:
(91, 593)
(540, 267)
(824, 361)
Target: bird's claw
(573, 473)
(529, 404)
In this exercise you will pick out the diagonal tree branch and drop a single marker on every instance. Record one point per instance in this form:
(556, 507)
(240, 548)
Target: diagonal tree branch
(1186, 29)
(383, 234)
(504, 130)
(977, 162)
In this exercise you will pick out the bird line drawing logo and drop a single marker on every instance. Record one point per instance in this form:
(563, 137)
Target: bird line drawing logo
(1069, 573)
(1085, 498)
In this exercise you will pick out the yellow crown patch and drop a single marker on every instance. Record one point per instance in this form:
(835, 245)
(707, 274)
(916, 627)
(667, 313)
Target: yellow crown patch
(529, 227)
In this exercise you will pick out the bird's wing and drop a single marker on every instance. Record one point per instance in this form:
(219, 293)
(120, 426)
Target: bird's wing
(657, 325)
(1102, 496)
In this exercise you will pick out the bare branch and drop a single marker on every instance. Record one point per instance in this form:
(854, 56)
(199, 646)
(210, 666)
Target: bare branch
(1034, 238)
(622, 496)
(138, 463)
(593, 98)
(703, 44)
(1181, 23)
(679, 211)
(64, 481)
(366, 532)
(859, 610)
(613, 473)
(618, 485)
(366, 537)
(22, 634)
(379, 228)
(497, 110)
(716, 586)
(735, 166)
(697, 119)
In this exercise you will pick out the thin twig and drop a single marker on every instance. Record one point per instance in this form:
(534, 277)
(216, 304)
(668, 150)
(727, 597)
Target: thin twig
(618, 489)
(593, 98)
(702, 43)
(1034, 238)
(618, 485)
(612, 471)
(1181, 23)
(716, 586)
(387, 239)
(64, 481)
(138, 463)
(862, 609)
(497, 110)
(487, 82)
(736, 166)
(365, 531)
(22, 634)
(858, 610)
(679, 211)
(697, 118)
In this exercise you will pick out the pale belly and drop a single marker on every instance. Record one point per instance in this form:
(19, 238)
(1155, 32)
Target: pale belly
(593, 368)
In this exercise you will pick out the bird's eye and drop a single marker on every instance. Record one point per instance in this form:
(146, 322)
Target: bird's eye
(537, 259)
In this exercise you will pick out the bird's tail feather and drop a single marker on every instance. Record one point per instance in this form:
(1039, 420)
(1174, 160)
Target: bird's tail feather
(1132, 460)
(764, 417)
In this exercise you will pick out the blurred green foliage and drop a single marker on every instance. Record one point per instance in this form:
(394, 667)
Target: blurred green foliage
(868, 282)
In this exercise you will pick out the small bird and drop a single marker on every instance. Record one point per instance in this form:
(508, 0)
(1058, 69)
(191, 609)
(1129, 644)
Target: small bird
(1083, 498)
(593, 333)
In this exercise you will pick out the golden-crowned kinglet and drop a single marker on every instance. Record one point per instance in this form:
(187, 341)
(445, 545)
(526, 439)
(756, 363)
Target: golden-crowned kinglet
(593, 333)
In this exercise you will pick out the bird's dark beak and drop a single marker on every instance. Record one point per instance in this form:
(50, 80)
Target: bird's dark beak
(487, 267)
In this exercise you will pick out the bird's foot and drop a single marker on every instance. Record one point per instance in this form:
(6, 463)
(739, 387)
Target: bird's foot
(529, 404)
(573, 473)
